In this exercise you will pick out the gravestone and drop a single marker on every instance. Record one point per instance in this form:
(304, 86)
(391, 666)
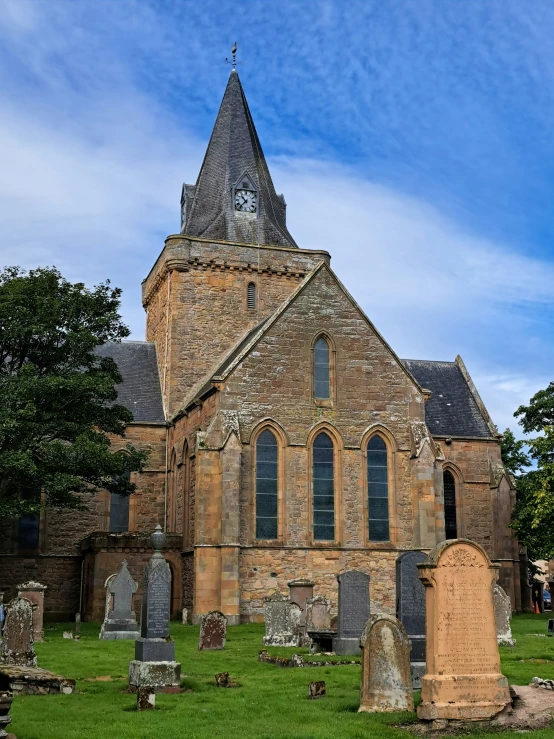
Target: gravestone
(410, 609)
(353, 611)
(121, 622)
(34, 592)
(299, 592)
(318, 613)
(213, 631)
(386, 679)
(279, 618)
(17, 646)
(503, 616)
(109, 596)
(463, 681)
(154, 665)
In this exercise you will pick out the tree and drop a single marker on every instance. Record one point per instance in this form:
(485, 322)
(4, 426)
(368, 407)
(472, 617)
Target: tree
(57, 397)
(534, 510)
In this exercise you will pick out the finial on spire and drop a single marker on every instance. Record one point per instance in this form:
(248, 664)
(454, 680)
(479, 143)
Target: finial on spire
(233, 59)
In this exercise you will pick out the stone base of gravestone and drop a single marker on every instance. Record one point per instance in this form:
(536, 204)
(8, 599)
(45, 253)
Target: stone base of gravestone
(154, 650)
(154, 675)
(113, 629)
(6, 698)
(417, 671)
(346, 646)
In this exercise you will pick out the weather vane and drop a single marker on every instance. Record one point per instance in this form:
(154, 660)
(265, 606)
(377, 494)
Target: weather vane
(233, 59)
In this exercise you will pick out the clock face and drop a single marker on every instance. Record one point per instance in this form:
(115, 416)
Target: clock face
(246, 201)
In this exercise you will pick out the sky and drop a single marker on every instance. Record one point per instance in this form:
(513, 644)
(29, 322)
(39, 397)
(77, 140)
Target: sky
(413, 140)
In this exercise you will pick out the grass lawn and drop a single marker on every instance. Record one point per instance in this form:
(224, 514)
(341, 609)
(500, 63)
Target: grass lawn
(271, 703)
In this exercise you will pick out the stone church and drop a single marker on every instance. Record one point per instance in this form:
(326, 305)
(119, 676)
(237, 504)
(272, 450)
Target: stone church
(286, 438)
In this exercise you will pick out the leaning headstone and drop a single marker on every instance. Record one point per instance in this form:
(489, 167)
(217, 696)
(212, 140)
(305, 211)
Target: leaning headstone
(463, 681)
(121, 622)
(353, 611)
(17, 646)
(503, 616)
(34, 592)
(299, 592)
(279, 615)
(213, 631)
(386, 679)
(154, 665)
(410, 609)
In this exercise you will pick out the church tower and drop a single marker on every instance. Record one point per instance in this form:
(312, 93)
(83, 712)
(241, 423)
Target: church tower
(233, 263)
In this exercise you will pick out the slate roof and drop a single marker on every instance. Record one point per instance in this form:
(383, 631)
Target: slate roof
(452, 409)
(140, 390)
(233, 152)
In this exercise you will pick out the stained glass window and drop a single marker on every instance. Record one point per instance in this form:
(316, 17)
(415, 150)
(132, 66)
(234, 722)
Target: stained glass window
(323, 488)
(378, 489)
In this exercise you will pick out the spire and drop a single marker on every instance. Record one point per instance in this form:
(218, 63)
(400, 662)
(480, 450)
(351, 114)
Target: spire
(234, 198)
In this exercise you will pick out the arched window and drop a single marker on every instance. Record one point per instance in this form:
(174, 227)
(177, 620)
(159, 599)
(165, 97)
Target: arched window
(378, 490)
(322, 374)
(323, 488)
(267, 452)
(450, 524)
(251, 295)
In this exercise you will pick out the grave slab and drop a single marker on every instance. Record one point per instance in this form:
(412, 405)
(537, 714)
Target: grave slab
(353, 611)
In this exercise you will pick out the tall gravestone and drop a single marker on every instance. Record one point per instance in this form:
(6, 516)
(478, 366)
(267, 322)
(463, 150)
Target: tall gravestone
(34, 592)
(463, 681)
(386, 680)
(154, 665)
(503, 616)
(410, 609)
(120, 621)
(18, 644)
(353, 611)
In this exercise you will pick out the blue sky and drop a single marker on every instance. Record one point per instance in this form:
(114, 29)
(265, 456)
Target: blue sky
(412, 139)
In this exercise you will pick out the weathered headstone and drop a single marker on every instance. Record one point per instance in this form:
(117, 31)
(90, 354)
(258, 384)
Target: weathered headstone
(503, 616)
(34, 592)
(213, 631)
(463, 679)
(17, 646)
(410, 609)
(317, 689)
(299, 592)
(154, 665)
(386, 679)
(318, 613)
(353, 611)
(279, 617)
(185, 616)
(121, 622)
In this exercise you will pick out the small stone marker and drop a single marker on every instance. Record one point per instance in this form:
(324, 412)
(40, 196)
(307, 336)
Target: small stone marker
(184, 616)
(78, 623)
(213, 631)
(317, 690)
(146, 699)
(463, 679)
(386, 679)
(299, 592)
(34, 592)
(154, 665)
(503, 616)
(120, 622)
(353, 611)
(222, 680)
(410, 609)
(17, 646)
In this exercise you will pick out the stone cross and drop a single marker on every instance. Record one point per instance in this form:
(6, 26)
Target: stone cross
(386, 679)
(463, 681)
(213, 631)
(18, 644)
(353, 611)
(34, 592)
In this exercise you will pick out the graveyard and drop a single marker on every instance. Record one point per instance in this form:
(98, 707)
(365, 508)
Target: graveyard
(269, 702)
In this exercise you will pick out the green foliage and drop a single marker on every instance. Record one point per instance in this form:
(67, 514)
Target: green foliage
(513, 455)
(534, 511)
(56, 396)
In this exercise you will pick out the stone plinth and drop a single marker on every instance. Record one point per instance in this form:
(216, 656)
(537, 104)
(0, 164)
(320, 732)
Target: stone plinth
(34, 592)
(6, 699)
(154, 675)
(386, 679)
(463, 679)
